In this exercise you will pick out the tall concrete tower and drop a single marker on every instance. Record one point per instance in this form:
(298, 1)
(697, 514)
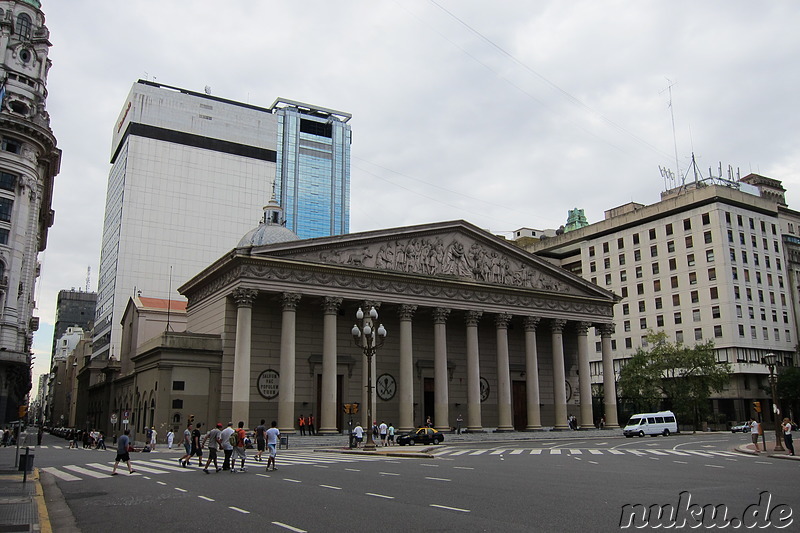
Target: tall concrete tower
(29, 161)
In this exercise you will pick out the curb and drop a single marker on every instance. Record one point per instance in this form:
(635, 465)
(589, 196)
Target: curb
(418, 455)
(745, 449)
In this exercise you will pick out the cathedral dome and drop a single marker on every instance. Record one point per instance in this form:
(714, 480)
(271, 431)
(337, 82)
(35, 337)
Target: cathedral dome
(271, 230)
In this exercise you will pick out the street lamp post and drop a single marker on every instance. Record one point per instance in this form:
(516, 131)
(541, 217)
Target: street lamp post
(369, 339)
(770, 359)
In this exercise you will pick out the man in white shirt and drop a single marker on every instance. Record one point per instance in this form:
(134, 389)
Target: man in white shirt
(358, 431)
(755, 429)
(273, 434)
(227, 447)
(383, 429)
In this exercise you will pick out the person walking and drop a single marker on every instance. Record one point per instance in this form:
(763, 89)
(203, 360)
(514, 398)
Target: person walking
(273, 434)
(197, 446)
(390, 437)
(152, 439)
(261, 440)
(214, 443)
(358, 431)
(227, 447)
(170, 439)
(787, 435)
(302, 423)
(459, 421)
(755, 431)
(384, 430)
(187, 446)
(123, 453)
(238, 450)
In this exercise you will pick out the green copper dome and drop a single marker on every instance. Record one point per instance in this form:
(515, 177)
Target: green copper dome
(35, 3)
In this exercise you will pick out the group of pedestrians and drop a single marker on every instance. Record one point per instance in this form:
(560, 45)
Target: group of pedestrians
(306, 424)
(757, 430)
(385, 432)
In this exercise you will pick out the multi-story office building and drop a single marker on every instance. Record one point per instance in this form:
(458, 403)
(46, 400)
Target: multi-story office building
(29, 161)
(74, 308)
(710, 261)
(190, 174)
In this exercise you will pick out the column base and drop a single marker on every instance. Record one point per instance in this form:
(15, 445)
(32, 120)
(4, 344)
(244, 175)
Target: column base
(534, 428)
(504, 430)
(474, 430)
(561, 428)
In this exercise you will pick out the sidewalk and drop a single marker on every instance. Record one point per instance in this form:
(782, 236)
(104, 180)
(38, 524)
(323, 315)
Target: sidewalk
(22, 506)
(751, 450)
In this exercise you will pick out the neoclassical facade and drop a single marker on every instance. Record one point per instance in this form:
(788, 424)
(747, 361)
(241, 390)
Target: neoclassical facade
(477, 329)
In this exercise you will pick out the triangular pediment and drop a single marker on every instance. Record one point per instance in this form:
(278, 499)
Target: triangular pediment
(446, 250)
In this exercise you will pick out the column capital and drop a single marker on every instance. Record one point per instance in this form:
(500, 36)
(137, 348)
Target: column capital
(606, 330)
(583, 327)
(473, 317)
(244, 297)
(289, 300)
(501, 320)
(531, 323)
(557, 326)
(407, 311)
(440, 315)
(330, 305)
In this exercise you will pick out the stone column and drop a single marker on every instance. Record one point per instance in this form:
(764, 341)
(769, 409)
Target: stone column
(586, 419)
(240, 394)
(286, 389)
(440, 398)
(473, 373)
(559, 375)
(405, 385)
(504, 421)
(532, 374)
(609, 383)
(327, 413)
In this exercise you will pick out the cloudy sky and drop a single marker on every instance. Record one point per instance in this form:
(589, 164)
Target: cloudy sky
(505, 114)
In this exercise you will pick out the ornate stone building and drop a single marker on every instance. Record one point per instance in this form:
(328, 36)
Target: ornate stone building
(29, 161)
(477, 327)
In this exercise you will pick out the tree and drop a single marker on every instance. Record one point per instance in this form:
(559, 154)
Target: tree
(674, 374)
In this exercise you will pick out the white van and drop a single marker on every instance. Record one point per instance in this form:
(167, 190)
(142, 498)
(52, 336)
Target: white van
(660, 423)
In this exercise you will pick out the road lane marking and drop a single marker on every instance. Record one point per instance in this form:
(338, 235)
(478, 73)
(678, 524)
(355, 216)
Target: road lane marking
(517, 452)
(714, 466)
(162, 464)
(180, 489)
(379, 495)
(437, 478)
(148, 470)
(239, 510)
(681, 462)
(464, 467)
(352, 469)
(161, 482)
(321, 466)
(497, 452)
(426, 464)
(450, 508)
(594, 462)
(61, 475)
(676, 452)
(290, 528)
(763, 463)
(479, 452)
(616, 452)
(596, 452)
(262, 475)
(388, 474)
(555, 451)
(575, 452)
(206, 498)
(657, 452)
(331, 487)
(292, 480)
(85, 471)
(536, 452)
(460, 452)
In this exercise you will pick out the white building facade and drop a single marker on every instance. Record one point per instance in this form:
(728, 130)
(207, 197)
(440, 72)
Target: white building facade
(29, 161)
(707, 262)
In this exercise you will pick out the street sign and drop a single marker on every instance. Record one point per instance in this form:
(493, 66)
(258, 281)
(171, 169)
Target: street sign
(113, 418)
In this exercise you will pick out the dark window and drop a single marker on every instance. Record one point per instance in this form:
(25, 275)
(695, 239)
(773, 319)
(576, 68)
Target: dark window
(177, 404)
(635, 238)
(10, 145)
(24, 26)
(3, 236)
(8, 181)
(687, 224)
(652, 234)
(178, 385)
(727, 217)
(6, 205)
(605, 247)
(320, 129)
(620, 243)
(668, 229)
(591, 251)
(706, 218)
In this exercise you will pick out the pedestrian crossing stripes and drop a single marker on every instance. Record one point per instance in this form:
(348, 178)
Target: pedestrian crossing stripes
(455, 452)
(158, 465)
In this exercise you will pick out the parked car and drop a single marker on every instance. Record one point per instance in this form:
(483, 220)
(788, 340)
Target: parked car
(423, 435)
(744, 427)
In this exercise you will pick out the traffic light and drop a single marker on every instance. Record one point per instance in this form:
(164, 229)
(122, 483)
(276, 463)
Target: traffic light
(191, 419)
(23, 411)
(351, 408)
(757, 406)
(355, 408)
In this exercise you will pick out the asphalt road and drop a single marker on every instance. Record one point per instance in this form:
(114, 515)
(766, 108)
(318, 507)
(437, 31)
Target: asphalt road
(544, 485)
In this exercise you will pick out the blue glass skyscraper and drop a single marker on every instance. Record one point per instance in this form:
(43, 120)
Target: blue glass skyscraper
(312, 177)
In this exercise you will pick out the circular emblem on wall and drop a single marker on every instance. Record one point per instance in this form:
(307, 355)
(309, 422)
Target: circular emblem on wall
(484, 389)
(268, 384)
(569, 390)
(387, 387)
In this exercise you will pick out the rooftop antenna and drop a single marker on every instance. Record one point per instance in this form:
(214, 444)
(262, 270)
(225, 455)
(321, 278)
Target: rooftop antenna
(169, 298)
(672, 114)
(88, 276)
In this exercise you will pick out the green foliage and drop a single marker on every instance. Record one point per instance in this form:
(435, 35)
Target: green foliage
(789, 383)
(675, 374)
